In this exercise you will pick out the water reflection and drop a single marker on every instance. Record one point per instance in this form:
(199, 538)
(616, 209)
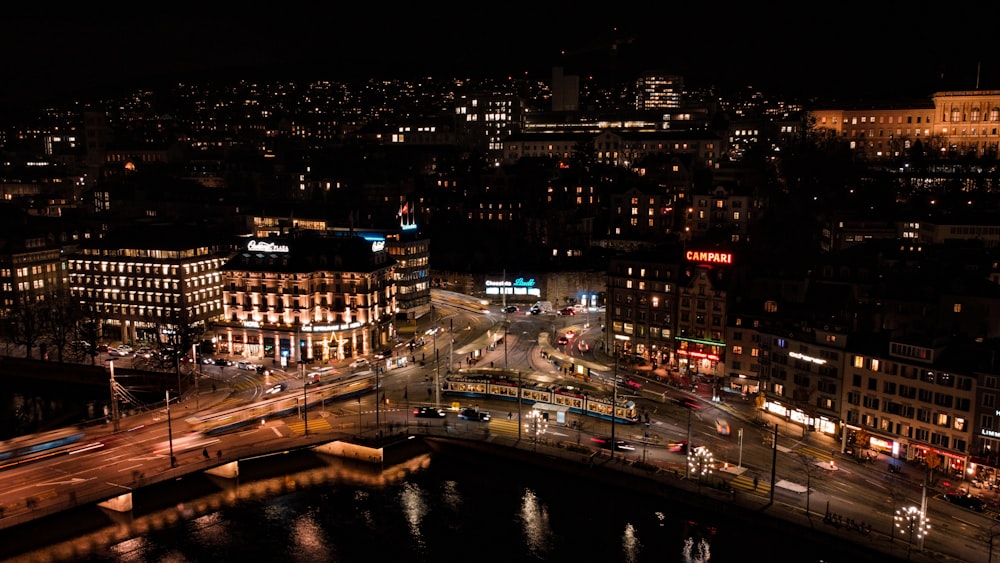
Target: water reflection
(535, 524)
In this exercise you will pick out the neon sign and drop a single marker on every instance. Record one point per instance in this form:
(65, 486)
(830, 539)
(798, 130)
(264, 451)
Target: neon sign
(710, 257)
(378, 245)
(799, 356)
(264, 246)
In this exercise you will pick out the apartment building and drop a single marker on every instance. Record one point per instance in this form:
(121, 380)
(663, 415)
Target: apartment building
(912, 399)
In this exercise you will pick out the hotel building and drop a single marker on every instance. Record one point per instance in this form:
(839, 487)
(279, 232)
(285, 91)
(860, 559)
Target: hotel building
(308, 297)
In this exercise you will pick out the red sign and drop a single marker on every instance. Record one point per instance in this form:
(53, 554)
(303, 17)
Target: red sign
(710, 257)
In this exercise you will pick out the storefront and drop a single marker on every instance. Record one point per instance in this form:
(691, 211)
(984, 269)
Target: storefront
(812, 423)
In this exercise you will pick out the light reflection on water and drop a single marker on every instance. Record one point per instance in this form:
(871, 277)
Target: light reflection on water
(488, 508)
(535, 525)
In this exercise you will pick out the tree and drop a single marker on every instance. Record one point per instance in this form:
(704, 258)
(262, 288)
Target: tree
(24, 323)
(60, 316)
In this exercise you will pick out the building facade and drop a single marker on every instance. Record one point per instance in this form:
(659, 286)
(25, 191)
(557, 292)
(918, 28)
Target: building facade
(148, 282)
(307, 297)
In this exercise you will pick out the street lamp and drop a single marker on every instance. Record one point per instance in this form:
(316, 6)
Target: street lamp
(700, 462)
(114, 396)
(170, 433)
(614, 394)
(536, 426)
(912, 520)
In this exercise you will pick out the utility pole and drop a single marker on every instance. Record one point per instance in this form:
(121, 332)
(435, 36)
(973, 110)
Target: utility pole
(170, 433)
(305, 402)
(774, 460)
(114, 398)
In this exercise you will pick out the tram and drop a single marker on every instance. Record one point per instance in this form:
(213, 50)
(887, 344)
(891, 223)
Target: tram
(26, 449)
(232, 419)
(576, 399)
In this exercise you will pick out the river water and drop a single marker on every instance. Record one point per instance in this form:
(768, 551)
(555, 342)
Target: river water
(445, 504)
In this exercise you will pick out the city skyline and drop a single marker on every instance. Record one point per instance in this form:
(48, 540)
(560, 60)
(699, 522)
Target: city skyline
(772, 48)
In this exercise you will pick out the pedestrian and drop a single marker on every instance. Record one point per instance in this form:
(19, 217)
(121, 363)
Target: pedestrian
(755, 482)
(204, 453)
(510, 415)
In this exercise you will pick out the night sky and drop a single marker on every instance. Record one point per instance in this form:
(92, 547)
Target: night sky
(777, 47)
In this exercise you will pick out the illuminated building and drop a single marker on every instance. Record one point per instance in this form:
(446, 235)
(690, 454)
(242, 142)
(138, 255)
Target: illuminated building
(308, 297)
(145, 281)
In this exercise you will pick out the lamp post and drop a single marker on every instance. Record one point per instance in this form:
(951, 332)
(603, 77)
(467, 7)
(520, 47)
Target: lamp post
(170, 433)
(194, 372)
(305, 400)
(913, 521)
(614, 395)
(739, 463)
(114, 397)
(992, 535)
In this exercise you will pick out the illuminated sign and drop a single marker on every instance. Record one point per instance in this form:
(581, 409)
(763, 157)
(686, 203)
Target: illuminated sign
(519, 282)
(264, 246)
(251, 324)
(378, 245)
(798, 356)
(710, 257)
(330, 328)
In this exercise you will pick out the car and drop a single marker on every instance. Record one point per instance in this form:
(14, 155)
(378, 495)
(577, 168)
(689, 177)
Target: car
(387, 353)
(567, 311)
(358, 363)
(677, 447)
(276, 388)
(222, 362)
(722, 426)
(120, 351)
(510, 309)
(429, 412)
(144, 352)
(535, 310)
(249, 366)
(474, 415)
(965, 500)
(583, 346)
(620, 445)
(562, 340)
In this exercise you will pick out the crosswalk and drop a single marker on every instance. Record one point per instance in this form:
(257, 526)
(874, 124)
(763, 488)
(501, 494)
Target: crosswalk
(318, 424)
(744, 482)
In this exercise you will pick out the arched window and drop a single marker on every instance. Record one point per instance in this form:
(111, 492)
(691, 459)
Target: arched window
(975, 114)
(954, 115)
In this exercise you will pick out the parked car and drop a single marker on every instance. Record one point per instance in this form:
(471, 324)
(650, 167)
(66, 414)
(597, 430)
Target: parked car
(429, 412)
(474, 415)
(966, 500)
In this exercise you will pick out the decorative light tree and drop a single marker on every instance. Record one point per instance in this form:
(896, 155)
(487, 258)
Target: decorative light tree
(912, 521)
(700, 462)
(535, 426)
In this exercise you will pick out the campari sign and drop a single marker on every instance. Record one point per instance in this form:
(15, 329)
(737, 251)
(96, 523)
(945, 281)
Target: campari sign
(709, 257)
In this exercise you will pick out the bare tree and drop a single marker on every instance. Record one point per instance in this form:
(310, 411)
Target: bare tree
(24, 324)
(88, 329)
(60, 315)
